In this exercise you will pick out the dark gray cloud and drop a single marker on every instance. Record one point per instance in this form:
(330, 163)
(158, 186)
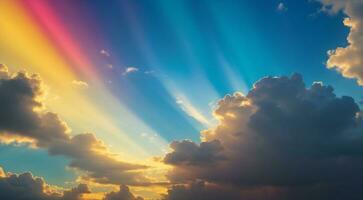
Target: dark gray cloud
(189, 153)
(301, 143)
(24, 187)
(199, 190)
(23, 117)
(27, 187)
(76, 193)
(19, 97)
(123, 194)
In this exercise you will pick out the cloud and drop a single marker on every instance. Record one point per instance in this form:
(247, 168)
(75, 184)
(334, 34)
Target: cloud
(20, 98)
(105, 53)
(199, 190)
(91, 155)
(280, 141)
(23, 117)
(3, 71)
(76, 193)
(149, 72)
(129, 70)
(24, 187)
(2, 172)
(281, 7)
(123, 194)
(348, 60)
(27, 187)
(80, 84)
(191, 110)
(188, 153)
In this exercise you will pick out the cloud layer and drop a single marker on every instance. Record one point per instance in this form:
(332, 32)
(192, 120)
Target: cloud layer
(24, 118)
(282, 140)
(25, 186)
(348, 60)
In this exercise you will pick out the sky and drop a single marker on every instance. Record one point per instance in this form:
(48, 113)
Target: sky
(146, 93)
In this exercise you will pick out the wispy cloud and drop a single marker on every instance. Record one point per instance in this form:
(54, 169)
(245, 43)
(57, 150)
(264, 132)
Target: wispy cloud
(105, 53)
(129, 70)
(149, 72)
(191, 110)
(80, 84)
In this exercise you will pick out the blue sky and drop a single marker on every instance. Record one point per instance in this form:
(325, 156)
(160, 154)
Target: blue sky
(204, 48)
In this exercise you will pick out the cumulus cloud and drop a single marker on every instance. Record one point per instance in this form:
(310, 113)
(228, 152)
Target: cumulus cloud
(129, 70)
(348, 60)
(189, 153)
(24, 187)
(24, 118)
(123, 194)
(280, 141)
(27, 187)
(76, 193)
(20, 98)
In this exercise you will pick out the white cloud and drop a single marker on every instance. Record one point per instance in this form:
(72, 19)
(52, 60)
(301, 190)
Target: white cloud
(191, 110)
(80, 84)
(129, 70)
(105, 53)
(348, 60)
